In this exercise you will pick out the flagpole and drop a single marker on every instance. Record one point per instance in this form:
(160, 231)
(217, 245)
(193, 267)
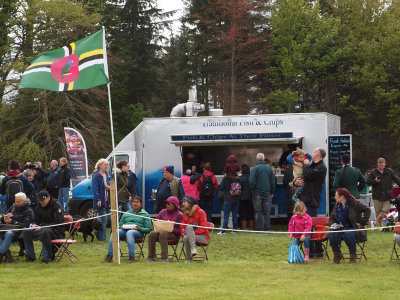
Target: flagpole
(113, 143)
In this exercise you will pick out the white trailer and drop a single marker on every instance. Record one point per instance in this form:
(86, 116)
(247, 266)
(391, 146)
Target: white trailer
(158, 142)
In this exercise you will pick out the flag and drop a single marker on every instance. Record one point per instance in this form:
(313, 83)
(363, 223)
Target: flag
(78, 66)
(77, 154)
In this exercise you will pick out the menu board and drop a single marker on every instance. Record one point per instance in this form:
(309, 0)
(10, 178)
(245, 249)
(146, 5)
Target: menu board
(337, 146)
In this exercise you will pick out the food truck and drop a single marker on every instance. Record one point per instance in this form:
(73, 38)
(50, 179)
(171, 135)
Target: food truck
(157, 142)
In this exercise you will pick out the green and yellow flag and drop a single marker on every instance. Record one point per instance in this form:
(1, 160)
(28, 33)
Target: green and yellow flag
(78, 66)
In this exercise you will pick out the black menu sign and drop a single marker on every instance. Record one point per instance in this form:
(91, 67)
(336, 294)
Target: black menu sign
(337, 146)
